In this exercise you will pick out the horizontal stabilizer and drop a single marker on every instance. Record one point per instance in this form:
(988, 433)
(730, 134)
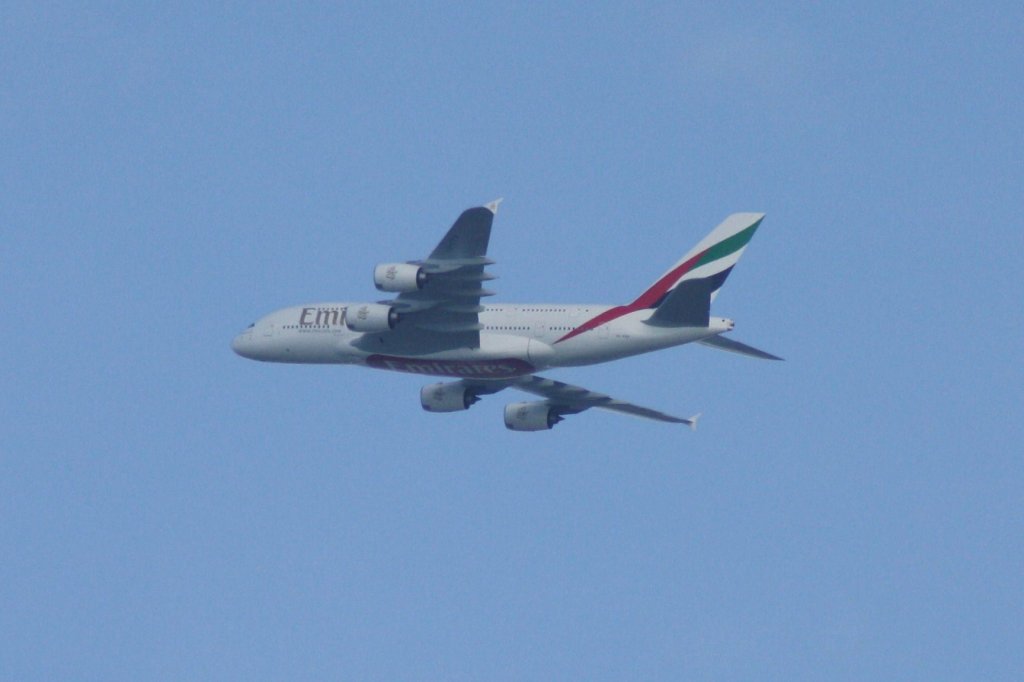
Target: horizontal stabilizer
(722, 343)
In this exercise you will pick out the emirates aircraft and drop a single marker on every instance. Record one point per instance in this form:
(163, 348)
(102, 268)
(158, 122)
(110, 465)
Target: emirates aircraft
(437, 326)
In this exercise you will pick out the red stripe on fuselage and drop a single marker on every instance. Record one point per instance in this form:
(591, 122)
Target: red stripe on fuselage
(606, 316)
(645, 300)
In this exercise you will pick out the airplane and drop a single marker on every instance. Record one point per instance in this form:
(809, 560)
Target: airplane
(436, 325)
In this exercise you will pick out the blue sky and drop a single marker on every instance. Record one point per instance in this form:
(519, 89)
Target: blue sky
(171, 511)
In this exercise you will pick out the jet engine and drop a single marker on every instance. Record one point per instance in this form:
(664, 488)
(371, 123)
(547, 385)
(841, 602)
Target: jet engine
(399, 277)
(450, 397)
(370, 317)
(536, 416)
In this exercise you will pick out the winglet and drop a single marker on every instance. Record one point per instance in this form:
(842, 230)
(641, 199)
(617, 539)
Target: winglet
(693, 421)
(493, 206)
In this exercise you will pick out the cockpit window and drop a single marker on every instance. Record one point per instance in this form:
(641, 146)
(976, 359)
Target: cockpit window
(251, 325)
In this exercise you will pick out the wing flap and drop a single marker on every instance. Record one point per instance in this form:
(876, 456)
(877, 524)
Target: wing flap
(448, 264)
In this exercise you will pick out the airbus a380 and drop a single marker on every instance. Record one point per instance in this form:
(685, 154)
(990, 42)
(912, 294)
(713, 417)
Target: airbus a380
(436, 325)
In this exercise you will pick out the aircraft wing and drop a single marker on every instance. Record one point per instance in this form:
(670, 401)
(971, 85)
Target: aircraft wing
(568, 399)
(449, 302)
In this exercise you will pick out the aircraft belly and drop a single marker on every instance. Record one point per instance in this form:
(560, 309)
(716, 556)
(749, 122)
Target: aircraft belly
(493, 368)
(500, 356)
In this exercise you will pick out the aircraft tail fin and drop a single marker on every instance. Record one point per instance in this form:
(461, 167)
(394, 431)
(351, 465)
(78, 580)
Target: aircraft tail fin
(705, 268)
(682, 296)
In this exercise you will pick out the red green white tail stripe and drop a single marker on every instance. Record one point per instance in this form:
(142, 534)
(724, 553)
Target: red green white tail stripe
(712, 258)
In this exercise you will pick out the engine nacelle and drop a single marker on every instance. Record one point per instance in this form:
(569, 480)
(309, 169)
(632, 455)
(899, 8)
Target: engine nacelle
(537, 416)
(370, 318)
(399, 277)
(450, 397)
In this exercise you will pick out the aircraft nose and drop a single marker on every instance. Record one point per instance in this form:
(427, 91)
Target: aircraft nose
(241, 343)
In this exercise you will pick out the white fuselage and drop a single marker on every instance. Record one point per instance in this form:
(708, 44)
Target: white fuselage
(515, 340)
